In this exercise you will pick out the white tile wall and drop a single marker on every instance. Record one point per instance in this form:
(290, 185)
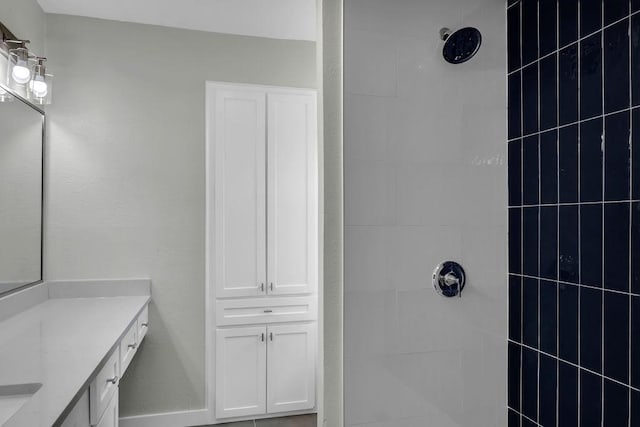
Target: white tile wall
(425, 181)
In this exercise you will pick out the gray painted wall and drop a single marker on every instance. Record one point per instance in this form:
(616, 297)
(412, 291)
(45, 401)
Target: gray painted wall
(26, 20)
(126, 184)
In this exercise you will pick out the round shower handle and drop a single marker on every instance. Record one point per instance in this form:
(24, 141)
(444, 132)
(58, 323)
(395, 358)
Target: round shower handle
(449, 279)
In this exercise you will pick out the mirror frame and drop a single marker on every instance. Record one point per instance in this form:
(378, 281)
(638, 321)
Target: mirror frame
(43, 115)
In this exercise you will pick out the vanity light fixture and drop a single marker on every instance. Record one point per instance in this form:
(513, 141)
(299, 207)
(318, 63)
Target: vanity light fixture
(26, 74)
(40, 84)
(18, 64)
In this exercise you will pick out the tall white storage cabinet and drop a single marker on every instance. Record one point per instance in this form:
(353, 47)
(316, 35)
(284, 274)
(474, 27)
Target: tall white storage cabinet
(263, 248)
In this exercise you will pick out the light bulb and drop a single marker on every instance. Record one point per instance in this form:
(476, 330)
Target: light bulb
(20, 74)
(39, 88)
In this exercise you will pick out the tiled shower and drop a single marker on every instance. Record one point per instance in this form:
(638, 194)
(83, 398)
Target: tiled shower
(574, 215)
(425, 165)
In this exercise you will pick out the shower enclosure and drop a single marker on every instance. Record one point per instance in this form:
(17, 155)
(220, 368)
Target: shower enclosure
(425, 182)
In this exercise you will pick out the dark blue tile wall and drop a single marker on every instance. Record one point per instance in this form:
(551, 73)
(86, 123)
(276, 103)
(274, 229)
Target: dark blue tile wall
(574, 212)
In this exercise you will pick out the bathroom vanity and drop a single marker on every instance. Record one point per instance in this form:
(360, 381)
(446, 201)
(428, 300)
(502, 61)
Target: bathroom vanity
(65, 349)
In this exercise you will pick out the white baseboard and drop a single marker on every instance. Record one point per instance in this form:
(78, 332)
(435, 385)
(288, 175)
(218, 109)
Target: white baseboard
(171, 419)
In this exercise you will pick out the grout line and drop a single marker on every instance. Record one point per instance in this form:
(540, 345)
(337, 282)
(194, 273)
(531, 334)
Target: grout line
(579, 39)
(539, 213)
(575, 365)
(562, 282)
(600, 202)
(629, 28)
(557, 76)
(521, 268)
(577, 122)
(604, 154)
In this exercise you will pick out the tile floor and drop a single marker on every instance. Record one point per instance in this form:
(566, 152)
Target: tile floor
(295, 421)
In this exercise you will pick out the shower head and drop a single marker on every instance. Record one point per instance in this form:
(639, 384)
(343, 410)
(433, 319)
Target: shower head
(461, 45)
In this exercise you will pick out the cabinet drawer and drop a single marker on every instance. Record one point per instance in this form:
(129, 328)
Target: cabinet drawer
(265, 310)
(143, 324)
(128, 347)
(103, 387)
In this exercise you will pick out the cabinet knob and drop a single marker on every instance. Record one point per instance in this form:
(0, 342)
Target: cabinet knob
(113, 380)
(261, 287)
(132, 345)
(268, 311)
(262, 337)
(271, 286)
(271, 336)
(145, 325)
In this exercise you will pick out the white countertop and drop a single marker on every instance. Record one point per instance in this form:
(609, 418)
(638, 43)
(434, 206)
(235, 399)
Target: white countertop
(61, 343)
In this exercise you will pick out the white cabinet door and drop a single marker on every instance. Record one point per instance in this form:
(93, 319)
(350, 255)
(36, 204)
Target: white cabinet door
(291, 368)
(110, 416)
(240, 206)
(292, 193)
(79, 415)
(241, 375)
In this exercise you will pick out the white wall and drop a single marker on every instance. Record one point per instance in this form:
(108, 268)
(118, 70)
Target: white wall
(425, 181)
(26, 20)
(127, 175)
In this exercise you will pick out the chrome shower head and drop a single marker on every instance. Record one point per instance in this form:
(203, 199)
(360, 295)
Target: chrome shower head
(461, 45)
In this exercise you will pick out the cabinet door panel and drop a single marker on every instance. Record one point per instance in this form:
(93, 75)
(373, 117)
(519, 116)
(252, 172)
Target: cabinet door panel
(240, 192)
(110, 416)
(291, 368)
(292, 194)
(241, 371)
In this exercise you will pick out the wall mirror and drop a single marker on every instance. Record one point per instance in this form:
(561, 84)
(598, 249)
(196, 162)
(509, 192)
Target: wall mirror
(21, 172)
